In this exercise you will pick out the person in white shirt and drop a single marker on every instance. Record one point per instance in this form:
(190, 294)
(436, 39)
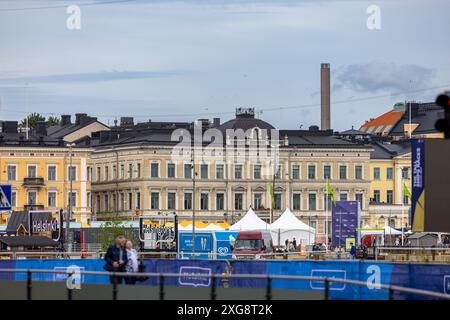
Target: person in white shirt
(132, 264)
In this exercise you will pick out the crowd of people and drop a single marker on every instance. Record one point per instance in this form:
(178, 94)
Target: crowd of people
(122, 257)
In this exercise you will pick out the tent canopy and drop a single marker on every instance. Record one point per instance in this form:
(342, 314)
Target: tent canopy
(250, 222)
(288, 221)
(387, 230)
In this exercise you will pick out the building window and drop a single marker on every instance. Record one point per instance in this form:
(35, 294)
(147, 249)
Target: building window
(343, 196)
(258, 201)
(51, 199)
(295, 172)
(405, 200)
(328, 225)
(376, 173)
(14, 199)
(296, 201)
(122, 171)
(278, 172)
(138, 170)
(389, 173)
(219, 171)
(138, 200)
(171, 170)
(32, 198)
(130, 201)
(327, 172)
(238, 199)
(390, 197)
(405, 173)
(72, 173)
(98, 204)
(89, 173)
(106, 173)
(106, 200)
(154, 201)
(171, 200)
(257, 171)
(311, 172)
(328, 201)
(51, 173)
(238, 171)
(12, 173)
(358, 172)
(204, 201)
(187, 171)
(376, 196)
(204, 171)
(277, 201)
(313, 224)
(154, 168)
(312, 201)
(342, 172)
(220, 200)
(99, 173)
(114, 172)
(73, 199)
(130, 171)
(89, 200)
(32, 171)
(187, 201)
(359, 198)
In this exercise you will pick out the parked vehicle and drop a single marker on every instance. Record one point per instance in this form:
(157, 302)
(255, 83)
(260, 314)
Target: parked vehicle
(251, 244)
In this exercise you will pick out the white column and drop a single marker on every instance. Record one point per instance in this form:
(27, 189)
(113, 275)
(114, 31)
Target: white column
(83, 185)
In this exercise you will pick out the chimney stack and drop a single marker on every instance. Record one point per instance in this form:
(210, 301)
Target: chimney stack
(65, 120)
(325, 96)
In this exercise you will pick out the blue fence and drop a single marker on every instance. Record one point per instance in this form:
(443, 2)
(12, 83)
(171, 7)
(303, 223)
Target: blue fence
(432, 277)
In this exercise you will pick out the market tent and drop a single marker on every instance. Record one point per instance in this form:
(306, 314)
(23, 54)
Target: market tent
(250, 222)
(288, 227)
(387, 230)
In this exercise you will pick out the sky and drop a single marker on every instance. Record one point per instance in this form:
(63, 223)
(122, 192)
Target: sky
(189, 59)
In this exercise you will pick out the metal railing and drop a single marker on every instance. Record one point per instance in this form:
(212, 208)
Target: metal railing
(327, 281)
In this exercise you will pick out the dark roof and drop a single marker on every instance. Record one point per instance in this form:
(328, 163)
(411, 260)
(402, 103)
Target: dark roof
(60, 131)
(21, 217)
(20, 139)
(27, 241)
(423, 114)
(353, 132)
(245, 123)
(389, 150)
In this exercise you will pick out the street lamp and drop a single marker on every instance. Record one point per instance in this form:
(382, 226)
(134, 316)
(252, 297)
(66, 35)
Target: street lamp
(69, 214)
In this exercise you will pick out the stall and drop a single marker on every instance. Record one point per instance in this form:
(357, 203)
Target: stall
(288, 227)
(250, 222)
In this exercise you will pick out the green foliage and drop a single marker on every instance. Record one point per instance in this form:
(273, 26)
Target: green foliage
(32, 120)
(53, 121)
(111, 229)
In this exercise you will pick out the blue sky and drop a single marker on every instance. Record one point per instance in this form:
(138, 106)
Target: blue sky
(183, 60)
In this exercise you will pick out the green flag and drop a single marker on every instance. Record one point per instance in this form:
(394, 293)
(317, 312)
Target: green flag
(406, 191)
(272, 195)
(330, 192)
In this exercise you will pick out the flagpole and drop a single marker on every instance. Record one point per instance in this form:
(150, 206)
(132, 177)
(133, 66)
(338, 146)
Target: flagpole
(403, 207)
(326, 216)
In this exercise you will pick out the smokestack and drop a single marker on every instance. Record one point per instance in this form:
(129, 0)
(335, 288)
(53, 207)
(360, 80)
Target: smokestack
(325, 96)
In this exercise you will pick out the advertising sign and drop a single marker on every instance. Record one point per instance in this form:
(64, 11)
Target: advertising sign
(158, 232)
(418, 184)
(345, 219)
(5, 198)
(45, 223)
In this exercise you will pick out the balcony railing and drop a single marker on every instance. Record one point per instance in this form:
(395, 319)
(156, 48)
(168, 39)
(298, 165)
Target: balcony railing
(34, 207)
(33, 182)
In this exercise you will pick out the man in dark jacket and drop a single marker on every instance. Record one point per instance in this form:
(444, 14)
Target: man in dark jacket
(116, 259)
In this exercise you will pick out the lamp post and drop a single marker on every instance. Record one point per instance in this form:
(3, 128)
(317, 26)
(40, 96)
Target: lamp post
(193, 202)
(69, 213)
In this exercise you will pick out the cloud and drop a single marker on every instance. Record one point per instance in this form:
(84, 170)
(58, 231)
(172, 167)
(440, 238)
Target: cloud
(382, 76)
(90, 77)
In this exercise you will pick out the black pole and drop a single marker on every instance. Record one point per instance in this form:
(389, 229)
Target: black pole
(29, 285)
(327, 289)
(269, 288)
(114, 287)
(213, 287)
(161, 287)
(391, 294)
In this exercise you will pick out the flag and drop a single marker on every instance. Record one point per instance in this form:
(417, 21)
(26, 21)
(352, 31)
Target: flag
(330, 192)
(272, 195)
(406, 191)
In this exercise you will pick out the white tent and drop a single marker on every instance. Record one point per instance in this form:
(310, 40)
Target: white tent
(250, 222)
(288, 227)
(387, 230)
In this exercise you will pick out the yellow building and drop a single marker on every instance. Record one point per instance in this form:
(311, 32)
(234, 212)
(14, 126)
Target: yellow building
(390, 170)
(40, 170)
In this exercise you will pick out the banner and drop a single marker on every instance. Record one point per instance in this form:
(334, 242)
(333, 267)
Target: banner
(345, 219)
(418, 184)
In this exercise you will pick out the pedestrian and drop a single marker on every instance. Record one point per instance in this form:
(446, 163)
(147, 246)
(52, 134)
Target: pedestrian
(353, 250)
(287, 243)
(294, 242)
(397, 241)
(116, 259)
(132, 265)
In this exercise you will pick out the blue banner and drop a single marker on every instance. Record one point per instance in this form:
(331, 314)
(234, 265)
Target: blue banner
(418, 184)
(345, 220)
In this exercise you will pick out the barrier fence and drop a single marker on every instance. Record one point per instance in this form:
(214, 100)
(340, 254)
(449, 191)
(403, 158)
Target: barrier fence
(327, 282)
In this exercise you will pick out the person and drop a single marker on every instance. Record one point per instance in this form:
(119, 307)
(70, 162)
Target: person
(353, 250)
(364, 250)
(132, 265)
(291, 247)
(294, 242)
(397, 241)
(287, 243)
(116, 259)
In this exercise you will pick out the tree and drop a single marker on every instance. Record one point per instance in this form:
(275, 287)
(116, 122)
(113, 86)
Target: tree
(110, 230)
(32, 120)
(53, 121)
